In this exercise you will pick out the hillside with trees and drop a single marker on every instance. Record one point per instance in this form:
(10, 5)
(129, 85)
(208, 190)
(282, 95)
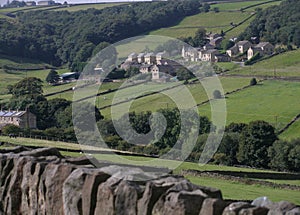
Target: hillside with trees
(277, 24)
(60, 37)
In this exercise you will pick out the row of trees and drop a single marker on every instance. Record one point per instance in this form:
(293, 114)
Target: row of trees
(60, 37)
(277, 24)
(255, 144)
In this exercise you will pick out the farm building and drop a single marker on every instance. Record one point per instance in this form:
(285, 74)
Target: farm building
(263, 48)
(23, 119)
(69, 77)
(239, 48)
(46, 3)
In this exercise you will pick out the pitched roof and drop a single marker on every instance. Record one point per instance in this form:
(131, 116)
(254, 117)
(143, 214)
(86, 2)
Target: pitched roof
(133, 54)
(233, 48)
(141, 54)
(262, 44)
(210, 51)
(151, 54)
(146, 66)
(10, 113)
(243, 42)
(164, 68)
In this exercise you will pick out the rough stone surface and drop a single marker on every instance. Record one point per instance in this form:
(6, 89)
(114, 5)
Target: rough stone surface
(236, 207)
(280, 208)
(42, 181)
(295, 211)
(213, 206)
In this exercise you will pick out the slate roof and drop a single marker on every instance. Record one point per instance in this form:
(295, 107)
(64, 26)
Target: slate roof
(243, 42)
(261, 44)
(11, 113)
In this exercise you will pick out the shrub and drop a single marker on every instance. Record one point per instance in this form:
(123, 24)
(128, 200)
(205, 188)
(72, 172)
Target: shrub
(217, 94)
(253, 82)
(11, 129)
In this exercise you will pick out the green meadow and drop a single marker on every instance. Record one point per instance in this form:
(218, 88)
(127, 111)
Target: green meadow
(231, 6)
(237, 190)
(272, 101)
(73, 8)
(211, 21)
(164, 99)
(285, 64)
(230, 12)
(292, 132)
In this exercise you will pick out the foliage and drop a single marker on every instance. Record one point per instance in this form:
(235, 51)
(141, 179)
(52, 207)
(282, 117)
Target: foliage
(217, 94)
(198, 40)
(10, 129)
(26, 93)
(15, 3)
(38, 34)
(216, 10)
(205, 7)
(253, 82)
(277, 24)
(235, 127)
(184, 74)
(132, 71)
(52, 77)
(255, 140)
(226, 44)
(285, 155)
(229, 148)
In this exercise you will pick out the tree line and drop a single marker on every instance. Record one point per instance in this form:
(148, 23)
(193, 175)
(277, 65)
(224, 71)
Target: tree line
(277, 24)
(62, 37)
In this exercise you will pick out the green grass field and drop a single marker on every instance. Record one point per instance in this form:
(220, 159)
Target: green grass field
(272, 101)
(70, 8)
(215, 22)
(286, 64)
(211, 21)
(292, 132)
(241, 191)
(230, 6)
(74, 8)
(157, 101)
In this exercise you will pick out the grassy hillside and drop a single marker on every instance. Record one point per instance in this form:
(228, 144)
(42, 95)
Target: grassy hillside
(98, 6)
(231, 6)
(157, 101)
(272, 101)
(70, 8)
(235, 190)
(215, 22)
(292, 132)
(211, 21)
(286, 64)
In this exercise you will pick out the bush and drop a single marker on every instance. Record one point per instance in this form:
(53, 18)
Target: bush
(253, 82)
(11, 129)
(217, 94)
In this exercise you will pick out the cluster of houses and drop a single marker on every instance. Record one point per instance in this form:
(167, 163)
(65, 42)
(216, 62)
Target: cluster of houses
(211, 53)
(160, 68)
(263, 48)
(206, 53)
(40, 3)
(23, 119)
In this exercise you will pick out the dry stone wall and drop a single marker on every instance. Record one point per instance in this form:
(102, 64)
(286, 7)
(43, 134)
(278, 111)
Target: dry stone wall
(42, 181)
